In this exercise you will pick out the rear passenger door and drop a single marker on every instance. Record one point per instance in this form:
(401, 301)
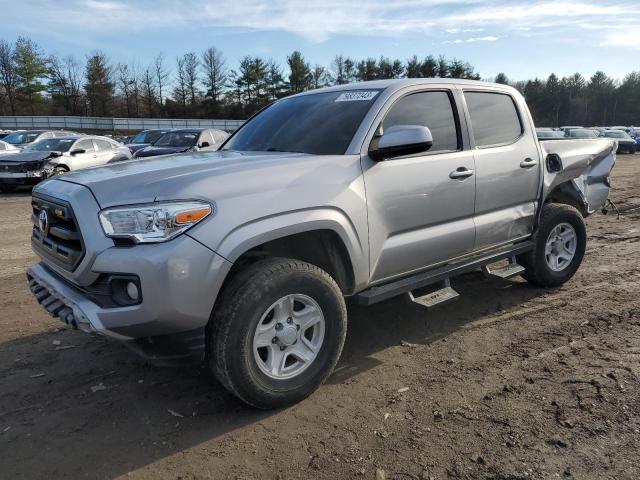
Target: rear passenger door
(508, 166)
(420, 206)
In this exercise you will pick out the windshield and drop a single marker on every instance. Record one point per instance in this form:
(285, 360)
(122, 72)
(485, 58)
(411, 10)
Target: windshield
(20, 138)
(319, 123)
(177, 139)
(615, 134)
(147, 137)
(51, 145)
(583, 133)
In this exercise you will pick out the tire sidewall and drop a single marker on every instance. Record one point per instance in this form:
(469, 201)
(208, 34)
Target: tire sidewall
(255, 304)
(573, 218)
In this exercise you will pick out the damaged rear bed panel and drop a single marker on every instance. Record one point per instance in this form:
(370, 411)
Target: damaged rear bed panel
(584, 175)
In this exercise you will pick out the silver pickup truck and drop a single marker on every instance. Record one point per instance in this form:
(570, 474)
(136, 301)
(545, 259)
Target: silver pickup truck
(241, 258)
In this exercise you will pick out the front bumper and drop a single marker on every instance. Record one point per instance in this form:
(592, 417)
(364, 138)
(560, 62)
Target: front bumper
(179, 281)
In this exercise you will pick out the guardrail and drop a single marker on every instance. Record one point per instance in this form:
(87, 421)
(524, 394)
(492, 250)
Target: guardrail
(103, 123)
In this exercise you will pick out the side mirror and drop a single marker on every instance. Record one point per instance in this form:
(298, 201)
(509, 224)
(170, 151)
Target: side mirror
(402, 140)
(77, 151)
(204, 145)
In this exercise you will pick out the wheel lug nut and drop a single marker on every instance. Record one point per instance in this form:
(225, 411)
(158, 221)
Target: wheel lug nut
(289, 320)
(282, 347)
(274, 340)
(298, 327)
(278, 326)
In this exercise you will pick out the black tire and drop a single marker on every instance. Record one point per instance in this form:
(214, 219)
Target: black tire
(537, 271)
(235, 318)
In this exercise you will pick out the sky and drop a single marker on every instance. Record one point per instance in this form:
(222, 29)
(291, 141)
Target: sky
(523, 39)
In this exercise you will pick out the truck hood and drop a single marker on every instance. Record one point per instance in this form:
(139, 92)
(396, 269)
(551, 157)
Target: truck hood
(169, 177)
(586, 166)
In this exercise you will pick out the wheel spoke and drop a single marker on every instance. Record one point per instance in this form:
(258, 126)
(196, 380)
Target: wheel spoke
(264, 337)
(275, 361)
(304, 350)
(284, 308)
(307, 317)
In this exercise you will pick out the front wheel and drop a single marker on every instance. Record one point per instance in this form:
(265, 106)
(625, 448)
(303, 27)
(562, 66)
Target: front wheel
(560, 243)
(277, 332)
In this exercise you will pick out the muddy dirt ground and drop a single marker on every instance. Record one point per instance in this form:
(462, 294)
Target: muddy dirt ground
(509, 382)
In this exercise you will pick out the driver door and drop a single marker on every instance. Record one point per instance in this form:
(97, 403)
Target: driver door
(421, 206)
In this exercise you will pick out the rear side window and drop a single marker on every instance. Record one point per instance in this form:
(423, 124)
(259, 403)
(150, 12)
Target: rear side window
(85, 144)
(494, 118)
(429, 109)
(103, 144)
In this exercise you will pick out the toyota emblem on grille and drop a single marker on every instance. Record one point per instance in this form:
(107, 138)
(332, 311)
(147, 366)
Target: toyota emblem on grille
(43, 221)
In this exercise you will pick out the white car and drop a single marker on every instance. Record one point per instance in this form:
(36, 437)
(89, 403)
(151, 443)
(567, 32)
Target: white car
(56, 156)
(7, 148)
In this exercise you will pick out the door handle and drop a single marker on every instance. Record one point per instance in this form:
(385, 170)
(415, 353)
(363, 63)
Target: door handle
(528, 163)
(461, 172)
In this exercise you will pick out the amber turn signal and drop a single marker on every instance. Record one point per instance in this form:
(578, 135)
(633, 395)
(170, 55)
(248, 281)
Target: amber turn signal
(191, 216)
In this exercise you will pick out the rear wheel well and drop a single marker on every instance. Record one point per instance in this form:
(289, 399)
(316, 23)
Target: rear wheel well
(323, 248)
(566, 194)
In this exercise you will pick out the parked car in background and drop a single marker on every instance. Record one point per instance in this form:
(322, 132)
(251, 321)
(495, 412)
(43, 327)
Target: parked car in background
(581, 133)
(8, 148)
(184, 140)
(626, 144)
(22, 138)
(547, 133)
(56, 156)
(145, 138)
(566, 129)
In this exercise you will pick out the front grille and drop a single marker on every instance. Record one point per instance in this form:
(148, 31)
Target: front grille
(20, 167)
(12, 167)
(61, 241)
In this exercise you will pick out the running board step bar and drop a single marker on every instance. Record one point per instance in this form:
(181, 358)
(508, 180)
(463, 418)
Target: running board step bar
(443, 294)
(509, 270)
(378, 293)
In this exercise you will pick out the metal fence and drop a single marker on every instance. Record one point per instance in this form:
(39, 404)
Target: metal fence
(101, 123)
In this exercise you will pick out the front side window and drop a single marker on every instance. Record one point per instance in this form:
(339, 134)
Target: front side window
(494, 118)
(433, 110)
(316, 123)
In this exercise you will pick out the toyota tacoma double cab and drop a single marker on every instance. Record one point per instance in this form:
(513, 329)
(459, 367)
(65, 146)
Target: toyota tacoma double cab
(242, 258)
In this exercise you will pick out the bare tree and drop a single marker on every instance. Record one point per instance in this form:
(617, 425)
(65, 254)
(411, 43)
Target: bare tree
(191, 75)
(8, 76)
(148, 90)
(161, 77)
(180, 90)
(65, 80)
(124, 85)
(215, 71)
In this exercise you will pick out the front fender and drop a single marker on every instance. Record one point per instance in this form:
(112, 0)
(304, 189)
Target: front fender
(262, 230)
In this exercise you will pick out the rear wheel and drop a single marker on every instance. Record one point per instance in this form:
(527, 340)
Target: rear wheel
(560, 243)
(277, 332)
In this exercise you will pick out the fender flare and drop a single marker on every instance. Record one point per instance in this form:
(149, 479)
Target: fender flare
(265, 229)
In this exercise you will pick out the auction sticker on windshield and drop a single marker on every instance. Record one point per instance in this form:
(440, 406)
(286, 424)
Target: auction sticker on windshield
(359, 96)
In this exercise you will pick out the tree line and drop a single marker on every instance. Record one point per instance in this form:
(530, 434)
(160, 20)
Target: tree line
(202, 85)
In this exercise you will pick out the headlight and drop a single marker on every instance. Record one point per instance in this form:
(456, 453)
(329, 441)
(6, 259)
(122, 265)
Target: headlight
(153, 223)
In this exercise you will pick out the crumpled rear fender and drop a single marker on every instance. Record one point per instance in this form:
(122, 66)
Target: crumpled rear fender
(584, 174)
